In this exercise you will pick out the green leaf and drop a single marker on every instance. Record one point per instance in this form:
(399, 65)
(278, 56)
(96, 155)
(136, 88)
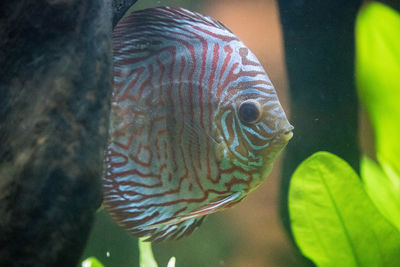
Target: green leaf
(333, 220)
(92, 262)
(378, 75)
(382, 191)
(146, 258)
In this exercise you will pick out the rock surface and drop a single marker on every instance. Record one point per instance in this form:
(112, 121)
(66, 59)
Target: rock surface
(55, 80)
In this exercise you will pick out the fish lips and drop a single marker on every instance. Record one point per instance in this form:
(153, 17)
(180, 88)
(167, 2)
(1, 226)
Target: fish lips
(283, 136)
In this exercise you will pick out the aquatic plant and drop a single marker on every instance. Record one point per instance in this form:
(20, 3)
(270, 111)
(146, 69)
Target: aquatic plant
(92, 262)
(146, 255)
(335, 216)
(333, 219)
(377, 72)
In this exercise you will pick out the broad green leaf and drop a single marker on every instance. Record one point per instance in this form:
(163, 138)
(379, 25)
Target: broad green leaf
(378, 75)
(381, 189)
(146, 258)
(92, 262)
(333, 220)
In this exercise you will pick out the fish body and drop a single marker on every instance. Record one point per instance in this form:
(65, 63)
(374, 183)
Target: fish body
(195, 122)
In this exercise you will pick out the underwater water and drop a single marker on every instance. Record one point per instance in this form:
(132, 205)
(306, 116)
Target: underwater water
(309, 57)
(226, 132)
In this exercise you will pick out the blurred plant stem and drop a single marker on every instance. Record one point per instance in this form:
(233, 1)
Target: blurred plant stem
(146, 258)
(146, 254)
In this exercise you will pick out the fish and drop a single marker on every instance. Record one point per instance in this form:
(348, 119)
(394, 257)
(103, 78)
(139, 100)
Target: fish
(195, 122)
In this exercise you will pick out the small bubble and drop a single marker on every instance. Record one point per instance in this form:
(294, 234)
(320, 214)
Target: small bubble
(108, 254)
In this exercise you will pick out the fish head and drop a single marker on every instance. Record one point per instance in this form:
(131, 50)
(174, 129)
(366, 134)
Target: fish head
(252, 123)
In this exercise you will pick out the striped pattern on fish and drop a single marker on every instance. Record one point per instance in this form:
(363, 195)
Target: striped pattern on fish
(181, 141)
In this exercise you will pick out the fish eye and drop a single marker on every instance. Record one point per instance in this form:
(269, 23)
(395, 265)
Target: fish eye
(249, 111)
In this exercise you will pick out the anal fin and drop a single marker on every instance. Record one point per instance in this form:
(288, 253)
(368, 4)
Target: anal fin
(212, 207)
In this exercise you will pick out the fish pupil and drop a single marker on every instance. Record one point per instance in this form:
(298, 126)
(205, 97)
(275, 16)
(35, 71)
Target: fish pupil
(249, 112)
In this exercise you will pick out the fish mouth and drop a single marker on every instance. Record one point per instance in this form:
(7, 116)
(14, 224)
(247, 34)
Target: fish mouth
(287, 135)
(284, 135)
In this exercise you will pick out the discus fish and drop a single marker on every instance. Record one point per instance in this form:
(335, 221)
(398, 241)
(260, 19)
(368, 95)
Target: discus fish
(195, 122)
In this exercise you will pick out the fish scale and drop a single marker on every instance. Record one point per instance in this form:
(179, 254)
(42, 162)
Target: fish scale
(178, 148)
